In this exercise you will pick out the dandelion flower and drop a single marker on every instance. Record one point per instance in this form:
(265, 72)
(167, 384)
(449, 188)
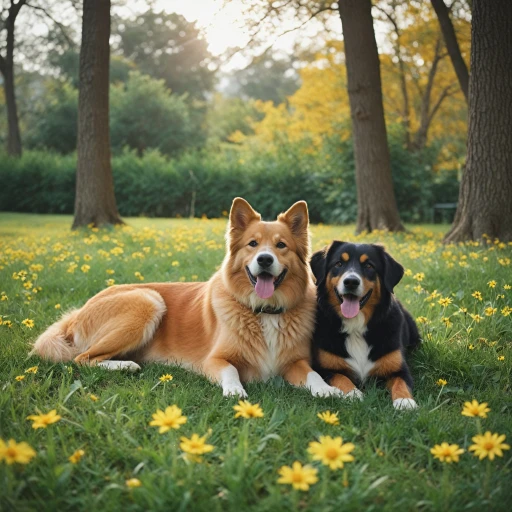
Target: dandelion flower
(28, 323)
(171, 418)
(77, 455)
(133, 482)
(442, 382)
(488, 445)
(331, 451)
(447, 452)
(474, 409)
(32, 369)
(298, 476)
(11, 452)
(247, 410)
(19, 377)
(195, 445)
(165, 378)
(43, 420)
(329, 417)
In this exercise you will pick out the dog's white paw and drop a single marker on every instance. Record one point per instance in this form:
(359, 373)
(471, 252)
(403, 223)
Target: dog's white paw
(234, 390)
(324, 391)
(129, 366)
(405, 403)
(355, 394)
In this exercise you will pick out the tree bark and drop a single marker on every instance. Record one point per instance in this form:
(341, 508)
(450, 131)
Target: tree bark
(376, 201)
(95, 202)
(452, 45)
(7, 70)
(485, 198)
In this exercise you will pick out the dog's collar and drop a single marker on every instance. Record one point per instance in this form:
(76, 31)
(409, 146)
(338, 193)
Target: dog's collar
(268, 310)
(362, 302)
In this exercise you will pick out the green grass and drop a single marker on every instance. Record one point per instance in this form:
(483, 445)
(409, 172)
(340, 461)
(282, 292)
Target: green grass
(393, 468)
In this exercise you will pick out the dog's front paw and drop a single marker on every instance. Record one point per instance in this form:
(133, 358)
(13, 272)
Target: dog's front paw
(405, 403)
(354, 394)
(128, 366)
(324, 391)
(234, 390)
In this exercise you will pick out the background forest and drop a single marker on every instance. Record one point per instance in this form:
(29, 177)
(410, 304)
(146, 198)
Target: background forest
(189, 132)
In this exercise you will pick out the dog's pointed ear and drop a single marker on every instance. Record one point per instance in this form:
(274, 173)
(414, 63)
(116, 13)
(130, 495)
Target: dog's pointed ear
(241, 214)
(319, 260)
(393, 271)
(297, 218)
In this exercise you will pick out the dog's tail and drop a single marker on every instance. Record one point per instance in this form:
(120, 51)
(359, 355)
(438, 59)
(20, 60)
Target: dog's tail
(57, 342)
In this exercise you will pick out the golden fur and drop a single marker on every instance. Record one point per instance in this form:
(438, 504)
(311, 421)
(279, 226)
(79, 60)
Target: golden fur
(208, 327)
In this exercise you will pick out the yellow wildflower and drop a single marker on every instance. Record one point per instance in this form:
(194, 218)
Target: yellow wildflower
(94, 398)
(501, 358)
(298, 476)
(474, 409)
(171, 418)
(492, 284)
(28, 323)
(133, 482)
(477, 295)
(447, 452)
(490, 311)
(329, 417)
(77, 455)
(195, 446)
(247, 410)
(445, 301)
(331, 451)
(20, 377)
(32, 369)
(12, 452)
(43, 420)
(57, 306)
(488, 445)
(442, 382)
(165, 378)
(85, 268)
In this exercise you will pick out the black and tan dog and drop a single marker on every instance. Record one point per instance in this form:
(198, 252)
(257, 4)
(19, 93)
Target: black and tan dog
(361, 329)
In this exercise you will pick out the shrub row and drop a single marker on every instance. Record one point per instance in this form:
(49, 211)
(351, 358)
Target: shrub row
(153, 185)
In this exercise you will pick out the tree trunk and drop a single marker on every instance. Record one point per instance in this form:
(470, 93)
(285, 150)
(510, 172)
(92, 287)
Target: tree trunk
(95, 202)
(13, 134)
(7, 70)
(452, 45)
(376, 201)
(485, 198)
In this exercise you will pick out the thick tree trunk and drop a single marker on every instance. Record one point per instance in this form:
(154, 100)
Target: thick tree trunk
(95, 202)
(7, 70)
(485, 198)
(452, 45)
(13, 134)
(376, 201)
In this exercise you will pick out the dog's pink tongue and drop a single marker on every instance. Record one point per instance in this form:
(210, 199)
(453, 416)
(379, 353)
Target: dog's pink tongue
(264, 286)
(349, 306)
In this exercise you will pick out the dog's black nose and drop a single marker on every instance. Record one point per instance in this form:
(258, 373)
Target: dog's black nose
(351, 282)
(265, 260)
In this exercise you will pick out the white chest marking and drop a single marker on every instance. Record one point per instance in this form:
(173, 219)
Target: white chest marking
(270, 331)
(357, 347)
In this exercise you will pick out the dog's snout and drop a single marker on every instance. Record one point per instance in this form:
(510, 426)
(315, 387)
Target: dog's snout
(265, 260)
(351, 282)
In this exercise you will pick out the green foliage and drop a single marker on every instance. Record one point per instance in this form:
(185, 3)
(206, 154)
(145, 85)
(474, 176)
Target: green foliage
(167, 46)
(55, 119)
(227, 115)
(144, 114)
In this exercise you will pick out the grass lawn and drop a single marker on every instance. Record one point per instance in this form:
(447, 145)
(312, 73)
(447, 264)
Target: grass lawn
(46, 269)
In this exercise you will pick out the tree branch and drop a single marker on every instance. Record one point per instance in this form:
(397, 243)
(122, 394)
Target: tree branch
(57, 23)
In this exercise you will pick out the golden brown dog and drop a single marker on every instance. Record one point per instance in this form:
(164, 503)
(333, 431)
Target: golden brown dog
(252, 320)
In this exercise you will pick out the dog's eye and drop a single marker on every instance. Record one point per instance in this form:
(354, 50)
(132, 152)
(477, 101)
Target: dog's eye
(368, 265)
(280, 245)
(338, 264)
(253, 243)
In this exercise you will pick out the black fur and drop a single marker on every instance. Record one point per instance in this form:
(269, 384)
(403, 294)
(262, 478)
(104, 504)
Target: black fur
(389, 329)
